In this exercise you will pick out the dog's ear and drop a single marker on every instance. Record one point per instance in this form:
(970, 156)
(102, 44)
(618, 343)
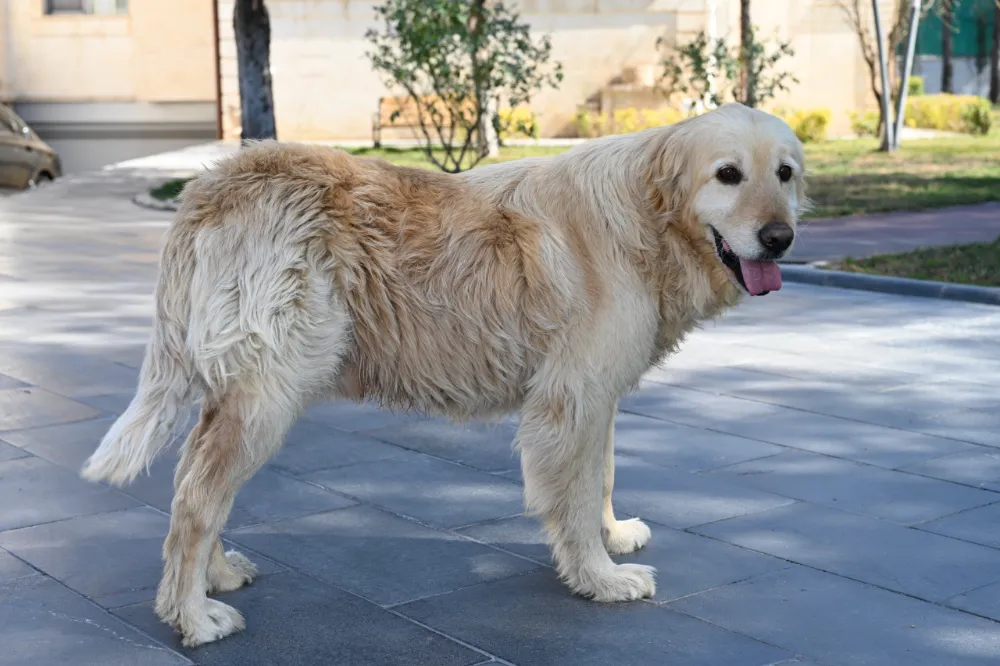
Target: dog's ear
(668, 175)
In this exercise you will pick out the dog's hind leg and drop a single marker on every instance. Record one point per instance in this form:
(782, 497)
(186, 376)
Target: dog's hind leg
(236, 435)
(620, 536)
(562, 445)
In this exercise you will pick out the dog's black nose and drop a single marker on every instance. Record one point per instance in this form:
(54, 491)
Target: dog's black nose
(776, 236)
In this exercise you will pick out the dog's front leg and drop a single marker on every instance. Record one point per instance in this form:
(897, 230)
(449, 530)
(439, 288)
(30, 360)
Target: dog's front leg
(562, 444)
(620, 536)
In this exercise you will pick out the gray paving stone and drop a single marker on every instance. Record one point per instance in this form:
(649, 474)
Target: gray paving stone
(112, 558)
(312, 446)
(67, 444)
(380, 556)
(436, 492)
(11, 567)
(293, 619)
(843, 438)
(43, 622)
(684, 447)
(33, 407)
(552, 626)
(9, 382)
(980, 525)
(33, 491)
(689, 407)
(839, 621)
(871, 491)
(108, 403)
(354, 417)
(983, 601)
(976, 467)
(874, 551)
(268, 496)
(679, 499)
(685, 563)
(66, 373)
(978, 427)
(11, 452)
(489, 447)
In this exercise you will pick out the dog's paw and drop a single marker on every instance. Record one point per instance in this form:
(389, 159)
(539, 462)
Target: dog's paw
(621, 582)
(209, 622)
(626, 536)
(233, 574)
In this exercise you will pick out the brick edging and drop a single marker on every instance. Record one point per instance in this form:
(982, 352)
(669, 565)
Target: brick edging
(810, 274)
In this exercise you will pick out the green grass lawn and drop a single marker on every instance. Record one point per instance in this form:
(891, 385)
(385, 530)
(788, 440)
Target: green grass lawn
(974, 263)
(845, 177)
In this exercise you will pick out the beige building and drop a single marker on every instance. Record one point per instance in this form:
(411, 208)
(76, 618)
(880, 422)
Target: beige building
(325, 89)
(106, 80)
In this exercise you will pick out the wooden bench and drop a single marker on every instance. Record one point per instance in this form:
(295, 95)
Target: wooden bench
(402, 112)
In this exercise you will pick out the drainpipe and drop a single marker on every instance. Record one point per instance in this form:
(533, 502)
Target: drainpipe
(218, 70)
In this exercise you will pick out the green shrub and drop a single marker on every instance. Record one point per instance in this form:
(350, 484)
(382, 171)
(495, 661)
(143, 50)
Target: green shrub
(952, 113)
(624, 121)
(865, 123)
(915, 86)
(809, 125)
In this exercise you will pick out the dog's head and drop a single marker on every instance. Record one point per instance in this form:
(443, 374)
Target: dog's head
(736, 175)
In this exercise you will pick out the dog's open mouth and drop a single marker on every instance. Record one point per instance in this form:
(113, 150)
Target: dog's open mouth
(757, 277)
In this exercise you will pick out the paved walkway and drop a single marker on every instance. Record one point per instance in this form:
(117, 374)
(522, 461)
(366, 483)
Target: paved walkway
(861, 236)
(821, 471)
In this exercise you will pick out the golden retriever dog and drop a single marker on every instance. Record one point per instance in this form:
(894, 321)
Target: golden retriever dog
(545, 286)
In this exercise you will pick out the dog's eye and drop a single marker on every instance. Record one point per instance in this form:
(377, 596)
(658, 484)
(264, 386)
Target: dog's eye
(729, 175)
(785, 173)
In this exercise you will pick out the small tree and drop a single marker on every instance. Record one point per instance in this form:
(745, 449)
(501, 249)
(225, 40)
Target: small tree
(995, 56)
(458, 61)
(748, 75)
(747, 83)
(860, 17)
(947, 26)
(252, 29)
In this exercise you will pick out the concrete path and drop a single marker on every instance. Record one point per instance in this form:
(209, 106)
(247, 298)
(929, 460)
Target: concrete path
(821, 471)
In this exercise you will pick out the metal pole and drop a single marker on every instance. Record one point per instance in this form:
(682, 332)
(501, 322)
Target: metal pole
(886, 120)
(904, 85)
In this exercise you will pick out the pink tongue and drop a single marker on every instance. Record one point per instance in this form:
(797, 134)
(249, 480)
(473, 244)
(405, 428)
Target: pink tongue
(760, 276)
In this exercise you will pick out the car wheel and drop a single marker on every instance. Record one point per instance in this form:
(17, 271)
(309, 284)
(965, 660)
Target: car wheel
(40, 179)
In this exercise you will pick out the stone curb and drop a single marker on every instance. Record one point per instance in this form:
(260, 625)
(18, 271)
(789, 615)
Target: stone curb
(146, 200)
(810, 274)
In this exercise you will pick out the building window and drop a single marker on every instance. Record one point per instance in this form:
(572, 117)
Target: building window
(86, 7)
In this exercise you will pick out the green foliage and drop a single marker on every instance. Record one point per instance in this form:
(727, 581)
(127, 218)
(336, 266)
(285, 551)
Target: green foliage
(865, 123)
(915, 86)
(512, 123)
(809, 125)
(690, 69)
(954, 113)
(169, 190)
(455, 60)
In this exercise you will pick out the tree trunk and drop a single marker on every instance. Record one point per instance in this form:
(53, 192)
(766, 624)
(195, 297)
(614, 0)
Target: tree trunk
(488, 143)
(747, 75)
(252, 27)
(947, 14)
(995, 56)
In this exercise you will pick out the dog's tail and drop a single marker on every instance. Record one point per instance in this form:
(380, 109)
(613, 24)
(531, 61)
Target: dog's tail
(167, 379)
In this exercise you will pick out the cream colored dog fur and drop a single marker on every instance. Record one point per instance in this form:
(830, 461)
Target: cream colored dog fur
(545, 286)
